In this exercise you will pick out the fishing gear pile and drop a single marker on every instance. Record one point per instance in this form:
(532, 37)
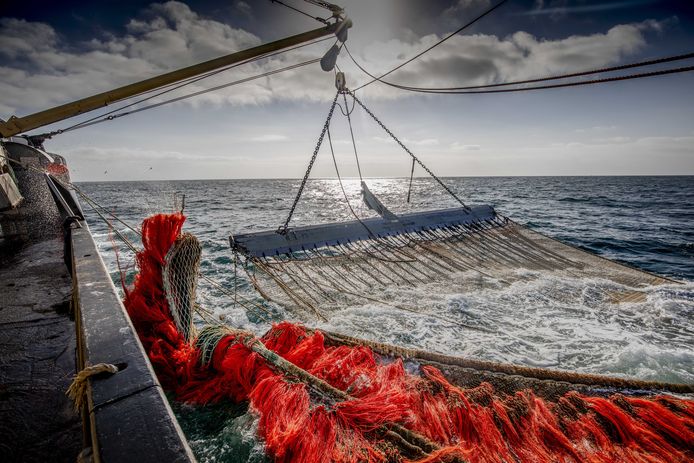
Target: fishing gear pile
(318, 401)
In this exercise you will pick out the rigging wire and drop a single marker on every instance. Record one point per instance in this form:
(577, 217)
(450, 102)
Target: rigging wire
(319, 19)
(342, 187)
(456, 32)
(351, 133)
(473, 89)
(349, 111)
(174, 86)
(407, 150)
(245, 301)
(561, 85)
(580, 83)
(283, 228)
(198, 93)
(563, 76)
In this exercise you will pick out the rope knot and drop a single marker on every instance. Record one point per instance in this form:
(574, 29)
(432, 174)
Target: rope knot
(78, 387)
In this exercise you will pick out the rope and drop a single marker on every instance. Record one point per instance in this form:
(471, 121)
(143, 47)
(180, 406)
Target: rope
(171, 88)
(414, 440)
(283, 228)
(511, 369)
(78, 388)
(459, 30)
(414, 158)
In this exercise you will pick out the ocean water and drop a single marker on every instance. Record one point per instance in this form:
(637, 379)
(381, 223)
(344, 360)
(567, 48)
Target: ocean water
(647, 222)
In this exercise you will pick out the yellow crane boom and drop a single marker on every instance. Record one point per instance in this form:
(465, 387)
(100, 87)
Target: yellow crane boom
(18, 125)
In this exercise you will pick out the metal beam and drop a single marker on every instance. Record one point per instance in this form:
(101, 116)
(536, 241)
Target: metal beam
(270, 243)
(17, 125)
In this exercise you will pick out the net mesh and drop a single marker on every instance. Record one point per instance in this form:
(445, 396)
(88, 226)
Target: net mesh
(341, 402)
(180, 281)
(319, 281)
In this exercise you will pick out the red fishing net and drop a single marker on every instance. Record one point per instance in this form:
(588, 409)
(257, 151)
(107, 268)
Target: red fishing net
(301, 424)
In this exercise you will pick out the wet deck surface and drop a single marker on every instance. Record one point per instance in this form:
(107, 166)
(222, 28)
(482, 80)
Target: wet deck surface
(37, 355)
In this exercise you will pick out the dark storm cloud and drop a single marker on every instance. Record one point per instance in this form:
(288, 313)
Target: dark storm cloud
(456, 69)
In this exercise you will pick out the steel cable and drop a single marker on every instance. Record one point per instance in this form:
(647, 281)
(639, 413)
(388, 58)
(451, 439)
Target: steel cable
(462, 91)
(110, 115)
(459, 30)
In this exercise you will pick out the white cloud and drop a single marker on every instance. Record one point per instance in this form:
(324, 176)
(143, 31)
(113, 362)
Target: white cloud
(465, 6)
(341, 141)
(560, 8)
(409, 142)
(652, 144)
(270, 137)
(167, 36)
(19, 37)
(422, 142)
(244, 8)
(457, 146)
(40, 71)
(651, 155)
(483, 59)
(613, 140)
(128, 155)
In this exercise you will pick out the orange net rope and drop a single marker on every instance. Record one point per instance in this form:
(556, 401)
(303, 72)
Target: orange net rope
(379, 410)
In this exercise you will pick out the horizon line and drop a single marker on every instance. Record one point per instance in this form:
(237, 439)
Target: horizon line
(385, 177)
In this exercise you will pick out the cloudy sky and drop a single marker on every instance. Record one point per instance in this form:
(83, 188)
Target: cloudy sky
(268, 127)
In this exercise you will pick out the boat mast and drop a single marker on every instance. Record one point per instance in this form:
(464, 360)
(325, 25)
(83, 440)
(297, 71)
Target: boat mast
(18, 125)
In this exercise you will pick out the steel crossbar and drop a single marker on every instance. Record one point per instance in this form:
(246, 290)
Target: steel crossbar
(270, 243)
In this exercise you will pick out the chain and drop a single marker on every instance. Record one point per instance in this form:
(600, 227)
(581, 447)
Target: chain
(351, 132)
(414, 158)
(282, 230)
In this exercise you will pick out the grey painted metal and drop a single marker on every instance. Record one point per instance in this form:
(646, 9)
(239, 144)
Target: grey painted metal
(64, 207)
(68, 195)
(21, 151)
(129, 414)
(375, 204)
(270, 243)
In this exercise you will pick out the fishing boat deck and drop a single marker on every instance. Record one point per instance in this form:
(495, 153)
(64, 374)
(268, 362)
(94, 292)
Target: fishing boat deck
(60, 313)
(37, 355)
